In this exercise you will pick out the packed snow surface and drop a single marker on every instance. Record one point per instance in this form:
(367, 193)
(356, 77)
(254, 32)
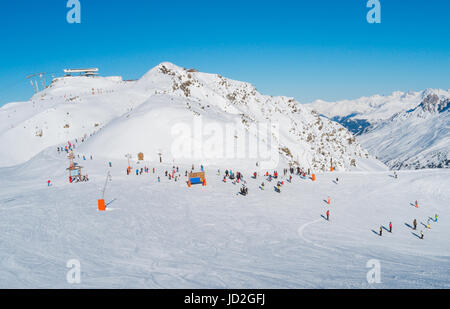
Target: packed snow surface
(166, 235)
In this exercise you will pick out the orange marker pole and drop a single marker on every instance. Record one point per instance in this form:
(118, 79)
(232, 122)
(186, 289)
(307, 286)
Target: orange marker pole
(101, 205)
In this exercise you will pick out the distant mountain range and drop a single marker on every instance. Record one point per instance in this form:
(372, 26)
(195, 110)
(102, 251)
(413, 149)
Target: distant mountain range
(405, 130)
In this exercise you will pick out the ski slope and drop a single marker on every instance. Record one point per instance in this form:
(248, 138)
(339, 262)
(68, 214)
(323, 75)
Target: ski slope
(143, 116)
(165, 235)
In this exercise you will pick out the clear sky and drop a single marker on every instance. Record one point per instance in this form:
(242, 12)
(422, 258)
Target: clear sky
(305, 49)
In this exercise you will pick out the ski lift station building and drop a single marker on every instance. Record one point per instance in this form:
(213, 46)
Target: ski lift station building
(82, 72)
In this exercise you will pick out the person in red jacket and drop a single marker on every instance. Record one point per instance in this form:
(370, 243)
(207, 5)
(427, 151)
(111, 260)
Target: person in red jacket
(390, 227)
(328, 215)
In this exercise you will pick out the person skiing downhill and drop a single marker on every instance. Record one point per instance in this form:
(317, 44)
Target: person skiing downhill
(262, 186)
(421, 234)
(415, 224)
(390, 227)
(436, 218)
(381, 231)
(328, 215)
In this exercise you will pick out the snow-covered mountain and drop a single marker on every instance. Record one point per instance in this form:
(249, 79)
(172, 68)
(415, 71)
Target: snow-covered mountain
(405, 130)
(151, 115)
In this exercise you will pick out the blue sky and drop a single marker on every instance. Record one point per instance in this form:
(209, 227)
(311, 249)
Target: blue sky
(305, 49)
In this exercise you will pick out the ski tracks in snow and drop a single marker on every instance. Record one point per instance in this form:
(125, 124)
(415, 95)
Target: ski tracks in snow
(301, 230)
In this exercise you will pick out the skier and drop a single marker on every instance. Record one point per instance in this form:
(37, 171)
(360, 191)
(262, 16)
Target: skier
(436, 218)
(417, 204)
(415, 224)
(48, 183)
(244, 190)
(159, 179)
(110, 164)
(381, 231)
(262, 186)
(328, 215)
(390, 227)
(421, 234)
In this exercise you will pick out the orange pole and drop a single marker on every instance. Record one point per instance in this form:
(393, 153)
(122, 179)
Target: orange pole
(101, 205)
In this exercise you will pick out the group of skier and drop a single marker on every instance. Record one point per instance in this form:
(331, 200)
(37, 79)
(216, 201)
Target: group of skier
(414, 226)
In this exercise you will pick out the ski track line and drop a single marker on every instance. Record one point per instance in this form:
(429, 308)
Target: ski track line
(300, 234)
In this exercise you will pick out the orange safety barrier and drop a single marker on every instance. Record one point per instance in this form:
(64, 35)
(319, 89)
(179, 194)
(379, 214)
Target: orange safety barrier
(101, 205)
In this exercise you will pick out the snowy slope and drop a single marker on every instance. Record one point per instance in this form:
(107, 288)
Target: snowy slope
(119, 117)
(72, 107)
(404, 130)
(164, 235)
